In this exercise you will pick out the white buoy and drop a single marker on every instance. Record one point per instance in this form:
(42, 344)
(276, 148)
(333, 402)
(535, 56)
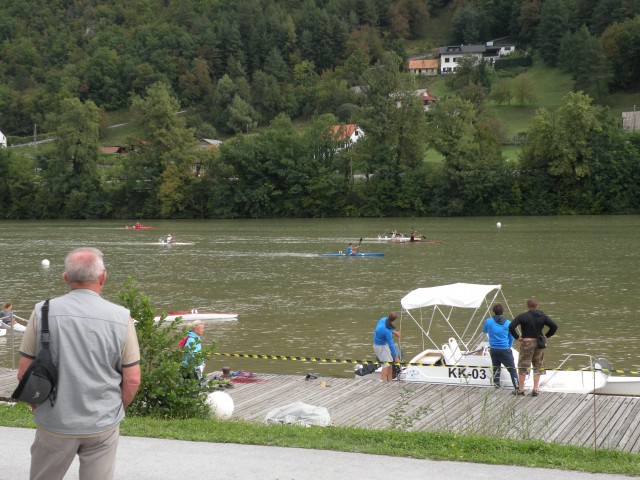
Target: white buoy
(498, 224)
(45, 263)
(220, 405)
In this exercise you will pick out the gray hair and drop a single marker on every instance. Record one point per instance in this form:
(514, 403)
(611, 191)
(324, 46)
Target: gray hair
(84, 264)
(195, 323)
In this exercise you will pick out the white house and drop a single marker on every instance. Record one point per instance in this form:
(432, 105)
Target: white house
(3, 140)
(451, 54)
(348, 134)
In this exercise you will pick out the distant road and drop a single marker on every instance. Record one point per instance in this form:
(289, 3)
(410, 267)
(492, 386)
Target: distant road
(38, 142)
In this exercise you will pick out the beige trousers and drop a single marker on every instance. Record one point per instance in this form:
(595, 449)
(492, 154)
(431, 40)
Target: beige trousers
(51, 455)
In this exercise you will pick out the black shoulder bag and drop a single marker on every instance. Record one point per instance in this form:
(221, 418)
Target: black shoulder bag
(39, 381)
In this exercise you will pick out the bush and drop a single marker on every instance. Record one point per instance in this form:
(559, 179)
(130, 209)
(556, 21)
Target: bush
(164, 391)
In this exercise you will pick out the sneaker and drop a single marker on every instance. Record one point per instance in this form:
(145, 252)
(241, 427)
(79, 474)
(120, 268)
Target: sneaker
(534, 393)
(519, 392)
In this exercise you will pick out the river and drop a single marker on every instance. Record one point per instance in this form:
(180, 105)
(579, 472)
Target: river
(292, 302)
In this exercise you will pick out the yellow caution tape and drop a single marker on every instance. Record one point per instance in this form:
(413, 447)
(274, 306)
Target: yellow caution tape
(373, 362)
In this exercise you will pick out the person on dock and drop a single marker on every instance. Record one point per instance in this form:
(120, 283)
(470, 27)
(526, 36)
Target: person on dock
(500, 342)
(191, 347)
(531, 324)
(95, 347)
(351, 250)
(383, 345)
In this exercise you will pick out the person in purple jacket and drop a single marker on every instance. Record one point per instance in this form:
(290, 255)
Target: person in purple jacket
(383, 345)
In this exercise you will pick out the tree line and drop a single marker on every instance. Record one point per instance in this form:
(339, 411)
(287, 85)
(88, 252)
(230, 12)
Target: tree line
(290, 68)
(575, 160)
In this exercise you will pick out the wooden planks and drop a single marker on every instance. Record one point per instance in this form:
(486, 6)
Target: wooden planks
(8, 383)
(593, 421)
(573, 419)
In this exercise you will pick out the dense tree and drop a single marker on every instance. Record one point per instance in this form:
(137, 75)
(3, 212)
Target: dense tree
(554, 22)
(17, 185)
(75, 184)
(561, 148)
(527, 21)
(163, 156)
(621, 42)
(583, 55)
(470, 25)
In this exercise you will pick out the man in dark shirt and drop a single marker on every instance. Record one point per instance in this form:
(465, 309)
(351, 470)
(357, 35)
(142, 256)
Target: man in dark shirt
(531, 324)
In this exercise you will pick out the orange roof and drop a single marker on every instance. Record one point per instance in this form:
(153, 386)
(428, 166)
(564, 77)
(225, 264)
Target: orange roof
(342, 132)
(423, 64)
(118, 149)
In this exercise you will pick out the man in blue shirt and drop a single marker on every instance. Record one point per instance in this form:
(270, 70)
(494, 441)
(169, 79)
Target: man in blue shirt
(500, 342)
(351, 250)
(383, 345)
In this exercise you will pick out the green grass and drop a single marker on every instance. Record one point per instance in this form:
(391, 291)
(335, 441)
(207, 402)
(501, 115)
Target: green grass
(427, 445)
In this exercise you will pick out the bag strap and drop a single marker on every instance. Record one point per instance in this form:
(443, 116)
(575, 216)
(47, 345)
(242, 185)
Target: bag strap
(45, 336)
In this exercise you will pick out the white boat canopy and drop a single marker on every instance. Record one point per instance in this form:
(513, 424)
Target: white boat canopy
(439, 303)
(464, 295)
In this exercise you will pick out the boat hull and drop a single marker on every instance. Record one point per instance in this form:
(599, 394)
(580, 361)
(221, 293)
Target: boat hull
(142, 227)
(190, 317)
(171, 244)
(475, 370)
(353, 255)
(628, 386)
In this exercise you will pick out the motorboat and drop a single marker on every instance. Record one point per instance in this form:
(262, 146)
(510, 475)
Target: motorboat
(193, 315)
(450, 319)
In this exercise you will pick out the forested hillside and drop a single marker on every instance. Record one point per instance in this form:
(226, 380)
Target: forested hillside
(272, 78)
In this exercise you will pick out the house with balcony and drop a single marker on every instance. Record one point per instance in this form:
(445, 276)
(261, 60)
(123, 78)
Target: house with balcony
(450, 55)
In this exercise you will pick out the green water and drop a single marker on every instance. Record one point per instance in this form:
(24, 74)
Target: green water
(292, 302)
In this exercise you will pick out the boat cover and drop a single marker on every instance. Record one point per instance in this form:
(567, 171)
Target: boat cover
(464, 295)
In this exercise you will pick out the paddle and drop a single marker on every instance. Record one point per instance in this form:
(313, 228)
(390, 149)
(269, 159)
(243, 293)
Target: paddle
(358, 247)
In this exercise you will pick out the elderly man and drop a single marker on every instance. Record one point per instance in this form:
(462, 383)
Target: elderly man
(95, 347)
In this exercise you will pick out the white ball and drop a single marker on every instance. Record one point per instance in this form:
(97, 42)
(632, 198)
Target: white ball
(220, 405)
(498, 224)
(45, 263)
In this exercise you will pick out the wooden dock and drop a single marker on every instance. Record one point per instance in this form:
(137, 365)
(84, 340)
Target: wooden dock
(593, 421)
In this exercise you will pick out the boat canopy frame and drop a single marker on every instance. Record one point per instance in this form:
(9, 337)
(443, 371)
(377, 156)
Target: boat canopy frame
(434, 305)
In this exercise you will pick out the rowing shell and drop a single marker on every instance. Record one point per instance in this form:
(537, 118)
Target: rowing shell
(352, 255)
(190, 317)
(171, 244)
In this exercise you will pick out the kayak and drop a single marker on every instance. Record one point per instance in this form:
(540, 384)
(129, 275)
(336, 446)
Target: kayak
(138, 227)
(192, 316)
(352, 255)
(170, 244)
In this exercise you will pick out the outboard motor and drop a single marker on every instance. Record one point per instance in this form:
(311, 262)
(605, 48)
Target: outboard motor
(604, 365)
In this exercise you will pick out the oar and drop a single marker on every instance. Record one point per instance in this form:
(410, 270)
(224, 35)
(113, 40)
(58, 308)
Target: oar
(358, 249)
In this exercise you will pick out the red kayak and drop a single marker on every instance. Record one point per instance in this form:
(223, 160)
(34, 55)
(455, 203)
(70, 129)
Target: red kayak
(137, 226)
